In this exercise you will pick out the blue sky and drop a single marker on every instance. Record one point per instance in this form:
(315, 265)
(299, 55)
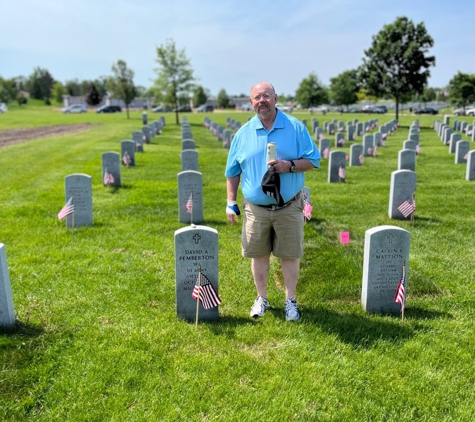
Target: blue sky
(231, 44)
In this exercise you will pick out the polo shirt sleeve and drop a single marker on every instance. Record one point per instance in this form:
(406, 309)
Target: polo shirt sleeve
(233, 166)
(309, 149)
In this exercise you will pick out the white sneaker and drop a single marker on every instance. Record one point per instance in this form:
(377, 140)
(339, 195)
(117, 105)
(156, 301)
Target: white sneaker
(260, 306)
(291, 310)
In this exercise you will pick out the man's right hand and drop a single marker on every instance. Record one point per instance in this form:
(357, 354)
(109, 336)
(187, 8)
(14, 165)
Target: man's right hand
(232, 210)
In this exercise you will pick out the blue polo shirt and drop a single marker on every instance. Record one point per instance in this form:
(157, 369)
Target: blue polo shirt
(248, 156)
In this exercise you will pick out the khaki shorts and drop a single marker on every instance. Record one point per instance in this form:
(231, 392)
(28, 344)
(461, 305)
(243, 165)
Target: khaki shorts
(280, 232)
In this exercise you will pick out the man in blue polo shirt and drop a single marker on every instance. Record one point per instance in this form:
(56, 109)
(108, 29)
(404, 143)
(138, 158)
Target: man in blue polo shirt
(267, 226)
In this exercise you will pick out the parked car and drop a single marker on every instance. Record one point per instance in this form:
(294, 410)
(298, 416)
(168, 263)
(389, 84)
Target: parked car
(247, 107)
(161, 109)
(203, 108)
(76, 108)
(427, 110)
(460, 111)
(374, 109)
(3, 108)
(470, 111)
(182, 109)
(284, 108)
(109, 109)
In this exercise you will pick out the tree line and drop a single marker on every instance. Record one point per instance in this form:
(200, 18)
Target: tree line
(396, 66)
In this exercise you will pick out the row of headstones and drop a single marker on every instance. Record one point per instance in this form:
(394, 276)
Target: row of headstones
(337, 159)
(386, 258)
(79, 186)
(465, 127)
(111, 161)
(190, 181)
(353, 129)
(220, 132)
(457, 146)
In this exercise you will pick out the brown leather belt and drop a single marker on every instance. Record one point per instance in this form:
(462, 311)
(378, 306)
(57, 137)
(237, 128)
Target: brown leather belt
(274, 207)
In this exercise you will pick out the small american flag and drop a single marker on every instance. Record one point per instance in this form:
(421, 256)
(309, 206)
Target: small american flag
(400, 296)
(205, 293)
(341, 142)
(361, 159)
(126, 159)
(408, 206)
(307, 211)
(375, 151)
(326, 153)
(418, 149)
(189, 204)
(108, 179)
(342, 173)
(67, 209)
(369, 151)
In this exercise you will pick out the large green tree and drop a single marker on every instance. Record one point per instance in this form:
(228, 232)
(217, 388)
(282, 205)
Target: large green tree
(428, 94)
(462, 89)
(199, 96)
(8, 90)
(121, 84)
(40, 84)
(222, 100)
(344, 88)
(397, 62)
(175, 74)
(93, 97)
(57, 92)
(311, 92)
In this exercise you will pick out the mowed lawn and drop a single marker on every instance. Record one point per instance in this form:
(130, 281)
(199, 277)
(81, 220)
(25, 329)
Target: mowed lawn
(97, 337)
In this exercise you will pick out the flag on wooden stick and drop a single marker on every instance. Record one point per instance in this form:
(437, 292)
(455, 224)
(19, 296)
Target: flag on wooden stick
(408, 207)
(189, 204)
(108, 178)
(400, 296)
(342, 173)
(205, 293)
(126, 159)
(67, 209)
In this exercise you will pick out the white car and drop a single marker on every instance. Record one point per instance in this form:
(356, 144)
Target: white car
(470, 111)
(3, 108)
(284, 108)
(246, 107)
(76, 108)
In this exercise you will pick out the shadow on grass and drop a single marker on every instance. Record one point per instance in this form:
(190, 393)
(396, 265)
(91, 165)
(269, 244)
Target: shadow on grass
(225, 326)
(22, 329)
(359, 330)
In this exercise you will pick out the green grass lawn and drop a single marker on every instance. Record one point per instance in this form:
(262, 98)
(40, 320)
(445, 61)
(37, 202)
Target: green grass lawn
(97, 336)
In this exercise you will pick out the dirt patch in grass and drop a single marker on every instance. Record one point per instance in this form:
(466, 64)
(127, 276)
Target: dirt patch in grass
(15, 136)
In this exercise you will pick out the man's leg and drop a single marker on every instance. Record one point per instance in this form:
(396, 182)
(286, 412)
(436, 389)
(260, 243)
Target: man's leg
(260, 271)
(290, 271)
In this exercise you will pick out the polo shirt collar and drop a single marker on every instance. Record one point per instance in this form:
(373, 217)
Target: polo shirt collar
(278, 122)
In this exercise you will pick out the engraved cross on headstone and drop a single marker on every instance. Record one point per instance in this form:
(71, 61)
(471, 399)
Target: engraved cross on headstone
(197, 238)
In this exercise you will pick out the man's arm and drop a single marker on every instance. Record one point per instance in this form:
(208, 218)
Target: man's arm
(283, 166)
(232, 209)
(232, 185)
